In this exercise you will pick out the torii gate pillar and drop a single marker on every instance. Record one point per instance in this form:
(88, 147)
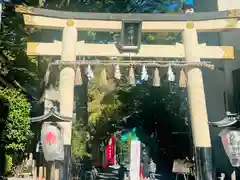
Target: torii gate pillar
(197, 107)
(66, 86)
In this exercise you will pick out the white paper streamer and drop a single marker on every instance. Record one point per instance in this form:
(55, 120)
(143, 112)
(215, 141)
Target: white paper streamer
(90, 74)
(171, 76)
(144, 75)
(117, 73)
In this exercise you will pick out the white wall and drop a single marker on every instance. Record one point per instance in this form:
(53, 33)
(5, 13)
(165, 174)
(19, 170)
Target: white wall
(205, 5)
(230, 39)
(228, 4)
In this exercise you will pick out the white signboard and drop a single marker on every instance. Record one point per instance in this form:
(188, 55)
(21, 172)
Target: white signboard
(181, 166)
(135, 160)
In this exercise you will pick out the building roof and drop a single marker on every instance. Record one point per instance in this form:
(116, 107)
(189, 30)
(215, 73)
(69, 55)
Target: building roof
(229, 120)
(52, 116)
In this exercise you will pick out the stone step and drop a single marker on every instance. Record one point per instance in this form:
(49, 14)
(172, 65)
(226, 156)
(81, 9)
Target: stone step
(107, 176)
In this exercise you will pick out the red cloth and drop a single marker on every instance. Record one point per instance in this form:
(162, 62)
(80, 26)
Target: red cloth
(110, 151)
(141, 173)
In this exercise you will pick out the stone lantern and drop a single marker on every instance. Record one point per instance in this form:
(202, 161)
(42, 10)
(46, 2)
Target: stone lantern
(230, 137)
(52, 137)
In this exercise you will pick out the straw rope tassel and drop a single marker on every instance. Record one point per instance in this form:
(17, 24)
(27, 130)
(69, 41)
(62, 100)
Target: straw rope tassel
(156, 78)
(182, 79)
(103, 78)
(47, 75)
(132, 80)
(117, 73)
(78, 77)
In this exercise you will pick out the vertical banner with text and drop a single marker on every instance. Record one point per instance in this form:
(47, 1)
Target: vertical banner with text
(135, 160)
(110, 151)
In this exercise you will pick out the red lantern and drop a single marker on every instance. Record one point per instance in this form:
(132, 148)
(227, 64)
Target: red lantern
(52, 142)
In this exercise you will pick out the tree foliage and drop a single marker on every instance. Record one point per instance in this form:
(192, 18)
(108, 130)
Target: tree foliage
(155, 111)
(113, 6)
(17, 127)
(13, 42)
(17, 67)
(9, 164)
(79, 139)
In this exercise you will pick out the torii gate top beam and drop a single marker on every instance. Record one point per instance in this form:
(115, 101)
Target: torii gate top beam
(204, 22)
(202, 16)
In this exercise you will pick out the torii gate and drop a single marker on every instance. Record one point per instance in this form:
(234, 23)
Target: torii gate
(191, 50)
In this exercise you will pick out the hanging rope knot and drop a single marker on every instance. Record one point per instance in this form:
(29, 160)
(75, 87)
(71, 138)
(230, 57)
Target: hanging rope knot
(160, 64)
(157, 64)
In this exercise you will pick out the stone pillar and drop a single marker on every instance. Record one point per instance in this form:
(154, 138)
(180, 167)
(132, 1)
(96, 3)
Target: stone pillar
(57, 174)
(34, 170)
(41, 173)
(197, 106)
(66, 86)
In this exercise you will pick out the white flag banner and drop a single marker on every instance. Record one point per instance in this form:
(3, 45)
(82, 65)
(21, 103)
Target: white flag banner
(135, 160)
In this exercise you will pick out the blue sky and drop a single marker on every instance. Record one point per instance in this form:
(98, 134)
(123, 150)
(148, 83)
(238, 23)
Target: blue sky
(173, 6)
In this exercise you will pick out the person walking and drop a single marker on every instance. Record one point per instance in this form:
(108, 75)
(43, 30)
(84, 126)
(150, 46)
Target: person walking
(141, 172)
(152, 170)
(188, 6)
(121, 173)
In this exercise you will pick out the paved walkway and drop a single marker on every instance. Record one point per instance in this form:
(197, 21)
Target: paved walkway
(15, 178)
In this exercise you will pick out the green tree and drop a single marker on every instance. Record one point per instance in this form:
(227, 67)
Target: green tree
(13, 41)
(79, 141)
(22, 71)
(155, 112)
(16, 132)
(102, 117)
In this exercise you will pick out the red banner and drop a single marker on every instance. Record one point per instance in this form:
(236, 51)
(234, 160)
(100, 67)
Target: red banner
(110, 151)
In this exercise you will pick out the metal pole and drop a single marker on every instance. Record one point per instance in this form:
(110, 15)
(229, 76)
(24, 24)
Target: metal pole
(197, 106)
